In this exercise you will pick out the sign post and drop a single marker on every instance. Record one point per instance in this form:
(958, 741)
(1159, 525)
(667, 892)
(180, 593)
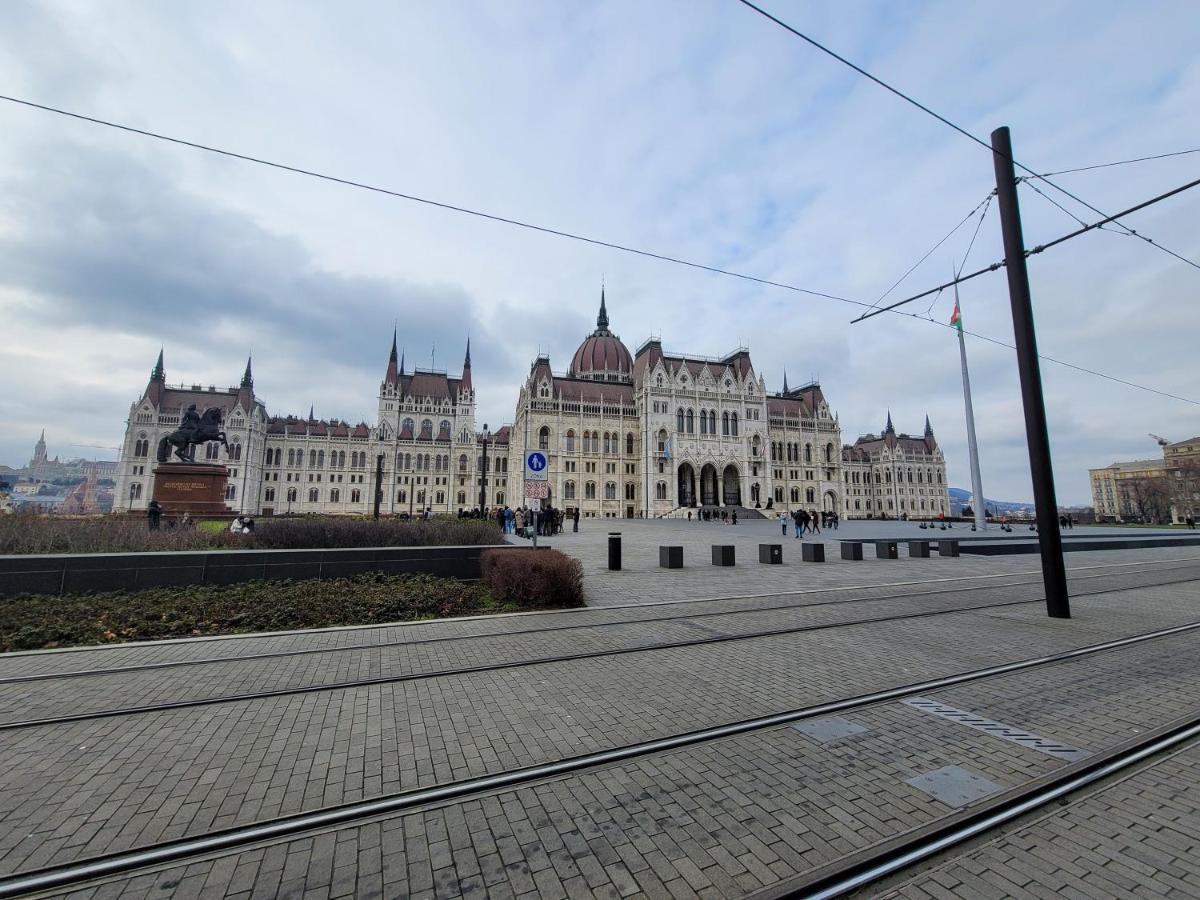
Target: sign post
(537, 477)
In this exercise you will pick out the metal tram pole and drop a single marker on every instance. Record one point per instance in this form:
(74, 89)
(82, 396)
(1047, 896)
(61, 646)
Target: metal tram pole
(483, 471)
(1054, 573)
(378, 482)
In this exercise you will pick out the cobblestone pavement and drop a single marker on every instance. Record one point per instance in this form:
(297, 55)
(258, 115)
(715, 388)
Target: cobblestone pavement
(721, 818)
(727, 817)
(1139, 837)
(642, 580)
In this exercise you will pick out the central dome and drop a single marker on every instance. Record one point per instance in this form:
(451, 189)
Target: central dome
(602, 356)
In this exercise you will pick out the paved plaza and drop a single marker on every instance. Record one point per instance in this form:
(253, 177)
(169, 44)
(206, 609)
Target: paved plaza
(709, 732)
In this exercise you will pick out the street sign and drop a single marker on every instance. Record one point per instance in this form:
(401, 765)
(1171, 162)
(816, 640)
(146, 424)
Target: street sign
(537, 467)
(538, 489)
(535, 504)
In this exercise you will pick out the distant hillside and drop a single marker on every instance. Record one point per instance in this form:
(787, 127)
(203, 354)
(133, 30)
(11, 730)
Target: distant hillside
(961, 496)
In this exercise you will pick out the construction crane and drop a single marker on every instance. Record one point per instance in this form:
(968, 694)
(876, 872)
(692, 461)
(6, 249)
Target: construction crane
(1162, 441)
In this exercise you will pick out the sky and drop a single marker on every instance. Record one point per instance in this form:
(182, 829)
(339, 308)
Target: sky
(693, 129)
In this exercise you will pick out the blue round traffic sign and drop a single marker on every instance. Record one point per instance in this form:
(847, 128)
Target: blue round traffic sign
(536, 461)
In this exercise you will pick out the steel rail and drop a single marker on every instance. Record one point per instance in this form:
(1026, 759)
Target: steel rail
(121, 862)
(992, 816)
(348, 648)
(169, 706)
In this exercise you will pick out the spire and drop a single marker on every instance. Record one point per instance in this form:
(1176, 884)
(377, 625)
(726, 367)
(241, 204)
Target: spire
(465, 384)
(247, 376)
(602, 319)
(888, 429)
(392, 370)
(785, 387)
(401, 362)
(42, 439)
(159, 374)
(311, 417)
(928, 427)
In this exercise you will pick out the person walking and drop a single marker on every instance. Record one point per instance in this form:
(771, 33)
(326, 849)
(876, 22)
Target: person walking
(798, 521)
(816, 522)
(575, 521)
(783, 520)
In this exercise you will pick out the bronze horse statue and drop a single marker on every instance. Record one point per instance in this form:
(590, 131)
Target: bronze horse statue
(193, 429)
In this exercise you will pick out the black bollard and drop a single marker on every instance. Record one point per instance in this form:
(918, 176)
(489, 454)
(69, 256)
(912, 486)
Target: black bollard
(614, 551)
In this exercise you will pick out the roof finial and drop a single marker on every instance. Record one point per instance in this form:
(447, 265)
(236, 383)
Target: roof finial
(159, 374)
(887, 429)
(785, 386)
(928, 427)
(247, 376)
(467, 361)
(602, 319)
(311, 417)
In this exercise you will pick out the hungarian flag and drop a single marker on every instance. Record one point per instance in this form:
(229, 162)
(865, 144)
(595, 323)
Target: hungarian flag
(956, 317)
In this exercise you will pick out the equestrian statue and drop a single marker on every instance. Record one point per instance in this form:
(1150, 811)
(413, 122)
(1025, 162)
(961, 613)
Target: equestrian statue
(193, 429)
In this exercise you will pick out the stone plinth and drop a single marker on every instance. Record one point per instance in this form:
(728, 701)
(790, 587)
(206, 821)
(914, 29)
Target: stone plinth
(193, 488)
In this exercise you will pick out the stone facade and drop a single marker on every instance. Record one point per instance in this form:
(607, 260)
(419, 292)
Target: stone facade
(1150, 489)
(656, 433)
(894, 476)
(424, 442)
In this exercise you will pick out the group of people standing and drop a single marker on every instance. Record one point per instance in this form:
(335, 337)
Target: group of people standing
(809, 521)
(522, 520)
(710, 515)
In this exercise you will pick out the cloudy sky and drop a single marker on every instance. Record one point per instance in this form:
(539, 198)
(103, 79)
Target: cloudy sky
(696, 129)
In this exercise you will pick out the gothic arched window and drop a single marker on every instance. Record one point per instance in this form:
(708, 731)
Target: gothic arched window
(544, 438)
(733, 425)
(569, 490)
(629, 444)
(725, 423)
(679, 420)
(690, 422)
(570, 440)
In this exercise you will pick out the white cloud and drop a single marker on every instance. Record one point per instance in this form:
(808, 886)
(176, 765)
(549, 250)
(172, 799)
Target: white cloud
(695, 129)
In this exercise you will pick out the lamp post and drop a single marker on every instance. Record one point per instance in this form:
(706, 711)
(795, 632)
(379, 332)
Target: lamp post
(483, 471)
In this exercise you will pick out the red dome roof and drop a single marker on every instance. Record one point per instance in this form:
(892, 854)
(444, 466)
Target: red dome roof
(601, 353)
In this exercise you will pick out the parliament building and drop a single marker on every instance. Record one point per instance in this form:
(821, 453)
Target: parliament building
(645, 434)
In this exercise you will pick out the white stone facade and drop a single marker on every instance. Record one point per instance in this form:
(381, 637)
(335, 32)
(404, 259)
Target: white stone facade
(895, 476)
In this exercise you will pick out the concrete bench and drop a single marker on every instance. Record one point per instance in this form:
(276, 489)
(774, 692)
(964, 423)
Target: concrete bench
(771, 554)
(722, 555)
(948, 548)
(670, 557)
(816, 552)
(886, 550)
(852, 550)
(918, 549)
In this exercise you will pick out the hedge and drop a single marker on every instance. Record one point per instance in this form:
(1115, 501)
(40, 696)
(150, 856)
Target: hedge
(535, 579)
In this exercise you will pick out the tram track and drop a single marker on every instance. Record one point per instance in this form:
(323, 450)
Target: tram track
(106, 866)
(352, 684)
(1033, 579)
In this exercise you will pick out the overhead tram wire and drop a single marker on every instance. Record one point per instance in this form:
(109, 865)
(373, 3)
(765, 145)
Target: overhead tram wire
(450, 207)
(925, 109)
(981, 205)
(345, 182)
(1031, 251)
(1119, 162)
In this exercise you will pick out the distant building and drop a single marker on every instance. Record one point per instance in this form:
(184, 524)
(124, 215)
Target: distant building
(1148, 490)
(895, 476)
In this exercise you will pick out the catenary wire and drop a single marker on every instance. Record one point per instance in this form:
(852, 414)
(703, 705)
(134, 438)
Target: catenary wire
(891, 307)
(982, 204)
(1119, 162)
(540, 228)
(905, 97)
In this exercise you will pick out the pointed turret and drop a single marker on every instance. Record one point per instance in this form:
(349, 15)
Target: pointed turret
(311, 417)
(888, 428)
(602, 318)
(401, 362)
(928, 427)
(248, 376)
(785, 386)
(158, 381)
(466, 374)
(392, 367)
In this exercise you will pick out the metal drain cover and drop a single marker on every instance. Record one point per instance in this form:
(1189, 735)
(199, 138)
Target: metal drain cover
(954, 785)
(826, 731)
(998, 729)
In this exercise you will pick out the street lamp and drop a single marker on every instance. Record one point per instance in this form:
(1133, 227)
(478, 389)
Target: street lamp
(483, 471)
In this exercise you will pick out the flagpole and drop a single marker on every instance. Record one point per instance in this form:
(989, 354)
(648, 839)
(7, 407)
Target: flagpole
(972, 444)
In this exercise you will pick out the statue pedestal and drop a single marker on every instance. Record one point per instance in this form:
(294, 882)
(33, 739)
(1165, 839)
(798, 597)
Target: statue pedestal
(197, 489)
